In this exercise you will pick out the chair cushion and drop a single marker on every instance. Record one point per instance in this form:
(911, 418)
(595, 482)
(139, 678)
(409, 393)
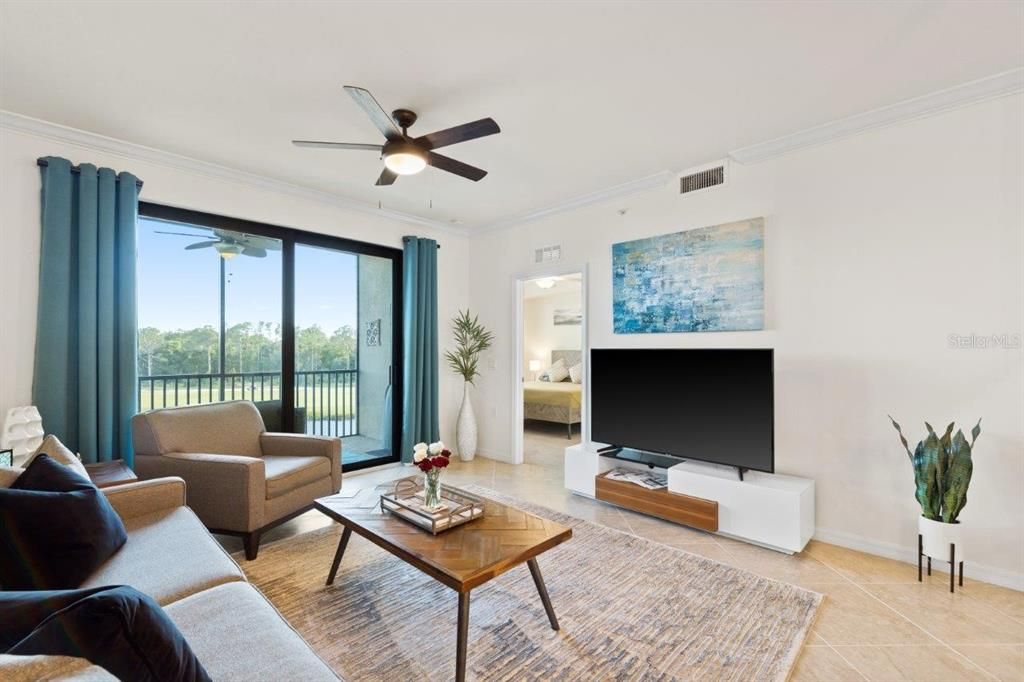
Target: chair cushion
(230, 428)
(55, 528)
(286, 473)
(169, 555)
(238, 635)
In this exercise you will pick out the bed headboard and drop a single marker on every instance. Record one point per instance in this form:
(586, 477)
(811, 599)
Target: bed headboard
(571, 357)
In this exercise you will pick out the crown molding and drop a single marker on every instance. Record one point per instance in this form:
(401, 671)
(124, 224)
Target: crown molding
(991, 87)
(129, 150)
(633, 187)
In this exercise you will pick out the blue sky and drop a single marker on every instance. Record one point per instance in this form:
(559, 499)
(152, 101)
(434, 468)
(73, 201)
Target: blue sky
(179, 289)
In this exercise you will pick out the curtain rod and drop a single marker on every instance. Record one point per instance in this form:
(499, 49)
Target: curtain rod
(405, 239)
(75, 169)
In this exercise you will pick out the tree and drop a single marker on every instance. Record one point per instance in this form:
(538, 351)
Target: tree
(150, 341)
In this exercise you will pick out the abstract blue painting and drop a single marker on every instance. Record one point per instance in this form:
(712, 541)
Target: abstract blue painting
(705, 280)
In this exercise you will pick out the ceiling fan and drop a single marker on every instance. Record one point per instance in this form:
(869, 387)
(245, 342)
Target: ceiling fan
(230, 244)
(404, 155)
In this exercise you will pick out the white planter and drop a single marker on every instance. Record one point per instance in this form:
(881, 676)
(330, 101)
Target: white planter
(465, 429)
(936, 537)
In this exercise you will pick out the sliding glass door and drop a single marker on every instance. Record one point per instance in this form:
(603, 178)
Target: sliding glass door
(343, 348)
(236, 310)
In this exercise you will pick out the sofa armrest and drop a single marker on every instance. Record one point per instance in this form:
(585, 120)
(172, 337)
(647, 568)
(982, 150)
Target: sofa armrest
(227, 492)
(145, 497)
(302, 445)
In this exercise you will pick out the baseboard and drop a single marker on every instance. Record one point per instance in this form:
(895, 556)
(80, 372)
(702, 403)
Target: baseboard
(972, 569)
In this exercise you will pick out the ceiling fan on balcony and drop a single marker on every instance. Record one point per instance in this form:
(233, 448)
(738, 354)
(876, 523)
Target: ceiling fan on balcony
(229, 244)
(405, 155)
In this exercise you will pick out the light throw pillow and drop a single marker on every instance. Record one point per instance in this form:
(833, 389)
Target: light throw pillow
(58, 452)
(576, 373)
(546, 374)
(9, 475)
(560, 373)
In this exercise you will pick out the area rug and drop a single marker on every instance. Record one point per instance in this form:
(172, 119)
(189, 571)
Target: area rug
(629, 609)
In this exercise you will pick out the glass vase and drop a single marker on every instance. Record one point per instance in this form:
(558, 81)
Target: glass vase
(432, 489)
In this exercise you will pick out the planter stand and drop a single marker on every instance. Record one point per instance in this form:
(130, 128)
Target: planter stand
(952, 563)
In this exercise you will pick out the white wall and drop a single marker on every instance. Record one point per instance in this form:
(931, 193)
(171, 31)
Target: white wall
(175, 186)
(878, 248)
(540, 333)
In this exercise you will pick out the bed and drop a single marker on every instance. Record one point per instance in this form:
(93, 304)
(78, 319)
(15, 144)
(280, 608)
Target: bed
(558, 402)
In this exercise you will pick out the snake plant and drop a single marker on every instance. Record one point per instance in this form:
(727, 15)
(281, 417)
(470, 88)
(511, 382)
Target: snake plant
(942, 470)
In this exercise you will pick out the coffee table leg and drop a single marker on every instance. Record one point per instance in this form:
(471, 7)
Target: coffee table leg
(342, 544)
(539, 581)
(460, 644)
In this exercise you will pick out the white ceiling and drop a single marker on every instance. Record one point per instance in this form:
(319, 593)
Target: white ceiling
(588, 95)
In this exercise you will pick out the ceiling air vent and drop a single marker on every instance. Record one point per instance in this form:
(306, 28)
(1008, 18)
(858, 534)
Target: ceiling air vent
(709, 177)
(547, 254)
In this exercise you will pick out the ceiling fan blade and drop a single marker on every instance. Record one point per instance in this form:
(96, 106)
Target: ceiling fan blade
(457, 167)
(201, 245)
(316, 144)
(386, 178)
(254, 251)
(265, 243)
(385, 124)
(462, 133)
(182, 234)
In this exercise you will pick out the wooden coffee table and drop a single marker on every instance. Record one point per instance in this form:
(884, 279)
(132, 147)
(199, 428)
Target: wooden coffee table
(462, 558)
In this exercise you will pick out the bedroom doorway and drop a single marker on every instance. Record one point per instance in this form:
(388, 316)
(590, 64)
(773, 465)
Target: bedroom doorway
(551, 357)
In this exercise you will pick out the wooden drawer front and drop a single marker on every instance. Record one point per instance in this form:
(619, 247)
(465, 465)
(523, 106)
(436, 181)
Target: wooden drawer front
(689, 511)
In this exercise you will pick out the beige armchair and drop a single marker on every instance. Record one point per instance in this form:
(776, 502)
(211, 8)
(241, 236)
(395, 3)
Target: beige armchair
(241, 479)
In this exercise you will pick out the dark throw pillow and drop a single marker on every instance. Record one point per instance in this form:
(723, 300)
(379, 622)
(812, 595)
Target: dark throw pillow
(117, 628)
(56, 528)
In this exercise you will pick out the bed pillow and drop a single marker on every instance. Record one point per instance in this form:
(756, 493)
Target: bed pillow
(52, 446)
(576, 373)
(56, 528)
(546, 374)
(559, 373)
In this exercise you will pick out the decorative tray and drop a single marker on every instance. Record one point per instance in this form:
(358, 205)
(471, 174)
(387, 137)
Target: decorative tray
(405, 500)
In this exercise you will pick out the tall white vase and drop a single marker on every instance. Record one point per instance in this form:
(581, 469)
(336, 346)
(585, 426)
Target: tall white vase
(465, 429)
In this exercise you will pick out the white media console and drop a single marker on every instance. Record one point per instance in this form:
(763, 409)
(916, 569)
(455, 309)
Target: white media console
(772, 510)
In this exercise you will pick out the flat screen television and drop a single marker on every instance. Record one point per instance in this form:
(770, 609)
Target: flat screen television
(713, 405)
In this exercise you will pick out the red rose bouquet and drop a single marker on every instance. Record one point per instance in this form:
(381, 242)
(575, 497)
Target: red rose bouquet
(431, 459)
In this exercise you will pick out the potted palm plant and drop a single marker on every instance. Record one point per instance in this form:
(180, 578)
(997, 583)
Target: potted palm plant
(942, 474)
(471, 339)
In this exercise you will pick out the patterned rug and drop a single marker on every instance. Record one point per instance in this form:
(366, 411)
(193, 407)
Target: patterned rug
(629, 609)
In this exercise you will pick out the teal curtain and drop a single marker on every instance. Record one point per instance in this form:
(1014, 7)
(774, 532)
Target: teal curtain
(85, 366)
(419, 340)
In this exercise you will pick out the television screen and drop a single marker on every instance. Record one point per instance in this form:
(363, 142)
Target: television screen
(714, 405)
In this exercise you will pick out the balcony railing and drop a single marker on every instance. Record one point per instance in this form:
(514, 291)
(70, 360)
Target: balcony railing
(329, 397)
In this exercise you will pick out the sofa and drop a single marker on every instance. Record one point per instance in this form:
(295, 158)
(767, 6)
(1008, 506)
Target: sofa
(242, 480)
(234, 631)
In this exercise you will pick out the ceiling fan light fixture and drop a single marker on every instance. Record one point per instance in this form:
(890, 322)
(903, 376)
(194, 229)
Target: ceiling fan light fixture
(404, 158)
(227, 251)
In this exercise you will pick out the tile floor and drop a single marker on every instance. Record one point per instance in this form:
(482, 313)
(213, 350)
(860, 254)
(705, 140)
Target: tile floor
(877, 623)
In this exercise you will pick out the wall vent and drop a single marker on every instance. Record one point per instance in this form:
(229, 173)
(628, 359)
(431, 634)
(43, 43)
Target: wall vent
(709, 177)
(547, 254)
